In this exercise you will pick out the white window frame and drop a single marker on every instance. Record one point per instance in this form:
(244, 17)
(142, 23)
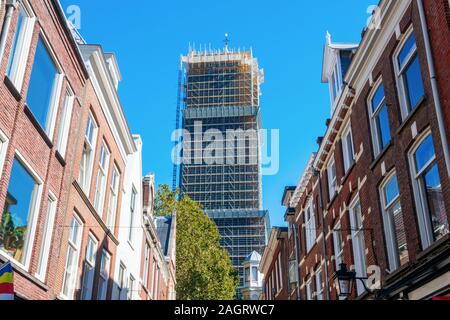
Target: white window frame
(57, 88)
(280, 273)
(310, 226)
(90, 262)
(114, 189)
(337, 244)
(102, 177)
(66, 119)
(47, 237)
(399, 73)
(332, 180)
(335, 79)
(309, 290)
(19, 63)
(425, 227)
(348, 155)
(319, 284)
(131, 285)
(133, 206)
(389, 227)
(146, 264)
(102, 290)
(35, 207)
(4, 142)
(76, 246)
(121, 280)
(373, 115)
(86, 180)
(358, 242)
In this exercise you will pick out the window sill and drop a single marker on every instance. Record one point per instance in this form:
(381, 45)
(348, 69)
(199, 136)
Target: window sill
(348, 173)
(60, 158)
(407, 120)
(380, 156)
(12, 88)
(38, 127)
(330, 203)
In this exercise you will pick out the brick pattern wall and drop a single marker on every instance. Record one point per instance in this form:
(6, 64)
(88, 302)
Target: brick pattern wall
(366, 175)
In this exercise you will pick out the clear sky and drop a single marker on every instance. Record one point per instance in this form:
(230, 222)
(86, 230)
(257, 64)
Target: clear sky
(287, 36)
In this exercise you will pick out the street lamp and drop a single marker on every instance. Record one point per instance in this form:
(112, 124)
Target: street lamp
(345, 280)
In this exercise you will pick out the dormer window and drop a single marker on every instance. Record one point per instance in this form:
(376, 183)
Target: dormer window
(335, 82)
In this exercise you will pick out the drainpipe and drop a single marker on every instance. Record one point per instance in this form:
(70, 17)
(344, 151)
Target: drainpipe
(434, 85)
(327, 284)
(11, 5)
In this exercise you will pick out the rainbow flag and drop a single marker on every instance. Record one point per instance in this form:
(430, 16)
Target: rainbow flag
(6, 282)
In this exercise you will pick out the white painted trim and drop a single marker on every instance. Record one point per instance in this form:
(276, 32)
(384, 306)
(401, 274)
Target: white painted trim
(48, 236)
(65, 123)
(4, 143)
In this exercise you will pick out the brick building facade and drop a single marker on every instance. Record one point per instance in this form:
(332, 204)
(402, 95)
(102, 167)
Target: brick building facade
(376, 196)
(274, 266)
(71, 198)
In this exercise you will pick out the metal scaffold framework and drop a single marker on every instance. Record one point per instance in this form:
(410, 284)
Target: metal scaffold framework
(221, 91)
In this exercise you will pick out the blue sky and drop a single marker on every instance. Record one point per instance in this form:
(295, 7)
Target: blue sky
(287, 37)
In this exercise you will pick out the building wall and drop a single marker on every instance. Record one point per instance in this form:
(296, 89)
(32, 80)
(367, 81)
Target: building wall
(26, 136)
(365, 177)
(129, 252)
(272, 290)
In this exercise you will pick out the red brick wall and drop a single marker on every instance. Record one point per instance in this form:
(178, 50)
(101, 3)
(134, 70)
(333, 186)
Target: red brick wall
(30, 142)
(367, 169)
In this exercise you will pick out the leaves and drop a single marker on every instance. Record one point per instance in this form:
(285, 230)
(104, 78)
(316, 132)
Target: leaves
(204, 269)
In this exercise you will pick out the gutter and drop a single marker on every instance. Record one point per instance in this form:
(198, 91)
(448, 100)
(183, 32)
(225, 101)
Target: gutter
(11, 5)
(434, 85)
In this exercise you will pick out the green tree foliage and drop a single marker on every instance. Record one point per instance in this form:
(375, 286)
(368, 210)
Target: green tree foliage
(204, 269)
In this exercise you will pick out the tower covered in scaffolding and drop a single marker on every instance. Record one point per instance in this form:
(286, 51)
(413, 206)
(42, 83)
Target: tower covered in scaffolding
(221, 167)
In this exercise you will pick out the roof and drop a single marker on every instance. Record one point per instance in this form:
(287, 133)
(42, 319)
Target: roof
(253, 257)
(163, 227)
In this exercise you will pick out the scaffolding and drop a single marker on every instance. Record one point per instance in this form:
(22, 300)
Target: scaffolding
(222, 92)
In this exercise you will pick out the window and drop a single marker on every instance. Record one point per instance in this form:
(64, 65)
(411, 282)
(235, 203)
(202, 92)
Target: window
(87, 159)
(131, 287)
(19, 213)
(309, 289)
(153, 276)
(332, 180)
(89, 268)
(347, 148)
(114, 193)
(379, 120)
(73, 252)
(280, 273)
(66, 117)
(121, 281)
(46, 237)
(247, 275)
(103, 276)
(146, 264)
(101, 179)
(310, 226)
(20, 46)
(44, 88)
(394, 226)
(409, 75)
(156, 283)
(255, 273)
(433, 221)
(359, 250)
(132, 214)
(319, 286)
(337, 243)
(335, 82)
(3, 149)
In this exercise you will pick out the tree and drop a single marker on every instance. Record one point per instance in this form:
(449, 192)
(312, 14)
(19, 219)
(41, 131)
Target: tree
(204, 269)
